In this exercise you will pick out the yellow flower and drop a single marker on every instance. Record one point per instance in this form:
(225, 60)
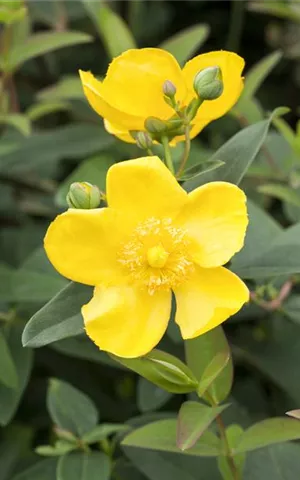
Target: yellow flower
(132, 89)
(152, 239)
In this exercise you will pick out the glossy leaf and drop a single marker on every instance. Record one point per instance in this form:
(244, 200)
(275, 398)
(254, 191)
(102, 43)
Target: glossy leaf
(71, 409)
(268, 432)
(185, 43)
(81, 466)
(8, 373)
(107, 23)
(41, 43)
(162, 369)
(237, 154)
(200, 352)
(161, 436)
(193, 420)
(59, 318)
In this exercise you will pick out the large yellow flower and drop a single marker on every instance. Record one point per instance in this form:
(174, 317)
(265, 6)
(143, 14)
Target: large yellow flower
(132, 89)
(152, 239)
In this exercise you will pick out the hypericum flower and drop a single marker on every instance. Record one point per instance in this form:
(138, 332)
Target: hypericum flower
(133, 89)
(152, 239)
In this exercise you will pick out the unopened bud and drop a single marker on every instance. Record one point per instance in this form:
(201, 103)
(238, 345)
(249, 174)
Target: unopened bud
(155, 125)
(208, 83)
(169, 89)
(143, 140)
(83, 195)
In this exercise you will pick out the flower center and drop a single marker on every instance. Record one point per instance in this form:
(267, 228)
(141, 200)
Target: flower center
(156, 255)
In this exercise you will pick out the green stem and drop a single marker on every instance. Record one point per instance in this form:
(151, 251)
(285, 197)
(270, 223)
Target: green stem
(168, 156)
(150, 153)
(237, 16)
(186, 153)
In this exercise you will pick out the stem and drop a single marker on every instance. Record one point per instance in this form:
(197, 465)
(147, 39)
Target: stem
(230, 459)
(237, 16)
(186, 153)
(168, 157)
(150, 153)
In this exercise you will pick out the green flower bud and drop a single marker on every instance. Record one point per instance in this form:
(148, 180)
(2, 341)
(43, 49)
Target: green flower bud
(208, 83)
(83, 195)
(143, 140)
(169, 89)
(155, 125)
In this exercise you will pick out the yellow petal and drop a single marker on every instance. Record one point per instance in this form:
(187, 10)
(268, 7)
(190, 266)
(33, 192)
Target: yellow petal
(231, 66)
(215, 217)
(118, 131)
(207, 299)
(135, 79)
(125, 321)
(94, 92)
(82, 245)
(144, 188)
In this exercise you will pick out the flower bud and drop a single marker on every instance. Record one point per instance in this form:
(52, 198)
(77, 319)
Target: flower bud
(83, 195)
(208, 83)
(169, 89)
(143, 140)
(155, 125)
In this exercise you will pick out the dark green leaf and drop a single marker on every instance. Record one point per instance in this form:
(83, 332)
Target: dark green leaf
(185, 43)
(149, 396)
(201, 351)
(161, 435)
(193, 420)
(44, 470)
(268, 432)
(59, 318)
(81, 466)
(10, 398)
(107, 23)
(8, 373)
(71, 409)
(41, 43)
(237, 154)
(279, 462)
(100, 432)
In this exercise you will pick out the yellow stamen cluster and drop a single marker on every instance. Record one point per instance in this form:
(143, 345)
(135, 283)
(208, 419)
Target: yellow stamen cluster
(156, 255)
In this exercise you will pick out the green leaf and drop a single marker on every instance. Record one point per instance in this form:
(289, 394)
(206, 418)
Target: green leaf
(41, 43)
(44, 470)
(161, 436)
(149, 396)
(72, 141)
(60, 448)
(68, 87)
(212, 371)
(237, 154)
(9, 453)
(233, 435)
(201, 351)
(185, 43)
(257, 74)
(281, 258)
(18, 121)
(282, 192)
(71, 409)
(291, 308)
(10, 398)
(200, 169)
(268, 432)
(8, 373)
(162, 369)
(107, 23)
(279, 9)
(279, 462)
(92, 170)
(39, 110)
(82, 466)
(193, 420)
(103, 431)
(9, 16)
(59, 318)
